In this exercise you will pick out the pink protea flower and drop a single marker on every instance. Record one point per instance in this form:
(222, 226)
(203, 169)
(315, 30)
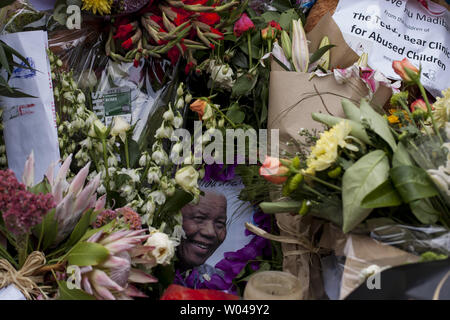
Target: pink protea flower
(113, 278)
(242, 25)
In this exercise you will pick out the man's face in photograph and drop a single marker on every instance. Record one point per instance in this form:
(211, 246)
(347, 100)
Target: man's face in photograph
(205, 227)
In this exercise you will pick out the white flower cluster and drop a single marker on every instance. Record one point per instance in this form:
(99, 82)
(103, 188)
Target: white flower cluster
(73, 118)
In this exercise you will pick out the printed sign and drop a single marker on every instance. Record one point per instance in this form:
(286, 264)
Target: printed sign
(111, 103)
(391, 30)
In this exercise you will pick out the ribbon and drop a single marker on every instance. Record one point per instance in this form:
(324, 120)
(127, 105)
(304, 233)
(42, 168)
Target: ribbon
(23, 279)
(424, 3)
(293, 238)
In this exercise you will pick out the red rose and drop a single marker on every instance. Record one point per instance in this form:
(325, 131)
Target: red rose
(127, 44)
(174, 54)
(210, 18)
(123, 31)
(275, 25)
(242, 25)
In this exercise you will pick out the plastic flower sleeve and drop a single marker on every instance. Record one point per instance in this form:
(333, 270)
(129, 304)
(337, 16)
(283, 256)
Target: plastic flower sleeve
(358, 259)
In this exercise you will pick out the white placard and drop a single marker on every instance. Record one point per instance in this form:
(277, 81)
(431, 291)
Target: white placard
(391, 30)
(30, 123)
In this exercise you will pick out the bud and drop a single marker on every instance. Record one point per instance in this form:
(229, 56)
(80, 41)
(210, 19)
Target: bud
(324, 60)
(300, 51)
(406, 70)
(188, 98)
(81, 98)
(286, 44)
(180, 90)
(418, 104)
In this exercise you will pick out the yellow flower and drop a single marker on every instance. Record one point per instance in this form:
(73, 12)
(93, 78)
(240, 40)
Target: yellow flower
(102, 6)
(441, 111)
(325, 152)
(393, 119)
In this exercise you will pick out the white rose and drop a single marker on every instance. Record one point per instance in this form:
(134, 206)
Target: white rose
(120, 127)
(164, 247)
(187, 178)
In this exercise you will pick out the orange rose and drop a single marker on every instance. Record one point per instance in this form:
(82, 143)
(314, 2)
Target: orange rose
(400, 68)
(273, 171)
(419, 104)
(199, 107)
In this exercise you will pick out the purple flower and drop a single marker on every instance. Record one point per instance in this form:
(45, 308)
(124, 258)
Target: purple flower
(219, 172)
(233, 262)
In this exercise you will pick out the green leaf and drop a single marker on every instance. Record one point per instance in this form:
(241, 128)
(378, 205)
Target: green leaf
(243, 85)
(80, 229)
(235, 114)
(12, 51)
(177, 201)
(358, 130)
(401, 157)
(91, 232)
(42, 187)
(287, 17)
(358, 181)
(320, 52)
(351, 111)
(240, 60)
(383, 196)
(377, 124)
(87, 254)
(72, 294)
(4, 60)
(412, 183)
(47, 229)
(268, 16)
(424, 211)
(134, 152)
(6, 3)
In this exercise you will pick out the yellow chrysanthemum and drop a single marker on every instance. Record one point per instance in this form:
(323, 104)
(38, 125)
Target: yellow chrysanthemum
(441, 112)
(325, 152)
(102, 6)
(393, 119)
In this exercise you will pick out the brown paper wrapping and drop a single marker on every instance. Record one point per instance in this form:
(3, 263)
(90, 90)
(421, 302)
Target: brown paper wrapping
(292, 99)
(294, 96)
(360, 252)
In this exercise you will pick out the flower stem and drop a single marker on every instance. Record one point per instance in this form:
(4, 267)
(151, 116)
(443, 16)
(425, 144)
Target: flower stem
(425, 97)
(105, 160)
(127, 154)
(224, 116)
(405, 107)
(330, 185)
(250, 56)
